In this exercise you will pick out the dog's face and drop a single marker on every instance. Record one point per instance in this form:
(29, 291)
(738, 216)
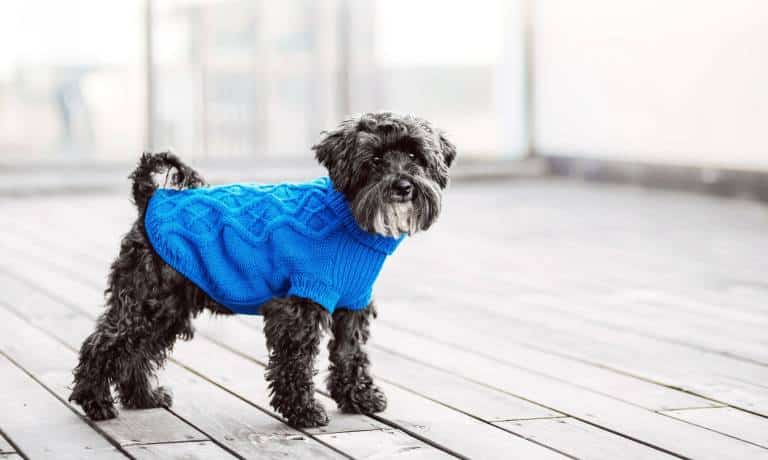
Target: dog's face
(391, 168)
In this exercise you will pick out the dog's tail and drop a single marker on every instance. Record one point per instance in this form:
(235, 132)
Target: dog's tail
(151, 163)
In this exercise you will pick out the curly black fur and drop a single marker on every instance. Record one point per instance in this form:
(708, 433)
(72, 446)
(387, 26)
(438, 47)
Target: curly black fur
(149, 306)
(293, 327)
(391, 168)
(151, 163)
(368, 155)
(350, 382)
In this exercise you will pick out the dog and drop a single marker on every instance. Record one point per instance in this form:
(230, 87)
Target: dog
(388, 172)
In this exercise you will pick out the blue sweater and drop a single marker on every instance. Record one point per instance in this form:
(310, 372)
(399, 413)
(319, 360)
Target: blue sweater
(244, 244)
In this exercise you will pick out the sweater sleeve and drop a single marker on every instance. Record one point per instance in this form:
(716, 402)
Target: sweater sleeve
(309, 287)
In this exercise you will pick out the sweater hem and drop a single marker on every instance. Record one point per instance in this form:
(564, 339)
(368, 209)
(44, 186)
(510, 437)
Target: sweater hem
(318, 291)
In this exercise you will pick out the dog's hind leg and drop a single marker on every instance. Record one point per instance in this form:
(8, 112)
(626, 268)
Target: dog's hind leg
(349, 382)
(92, 384)
(151, 343)
(147, 309)
(166, 316)
(293, 328)
(126, 348)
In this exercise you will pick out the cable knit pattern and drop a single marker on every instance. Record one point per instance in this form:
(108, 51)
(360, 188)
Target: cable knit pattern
(243, 244)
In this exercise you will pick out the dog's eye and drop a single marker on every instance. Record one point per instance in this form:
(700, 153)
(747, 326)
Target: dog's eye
(376, 158)
(411, 156)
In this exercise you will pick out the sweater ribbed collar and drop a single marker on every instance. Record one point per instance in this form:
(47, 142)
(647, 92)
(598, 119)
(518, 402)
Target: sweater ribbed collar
(340, 206)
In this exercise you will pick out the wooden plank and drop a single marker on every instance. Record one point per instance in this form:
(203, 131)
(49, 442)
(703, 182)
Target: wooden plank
(92, 274)
(222, 416)
(43, 426)
(503, 274)
(251, 385)
(654, 393)
(581, 440)
(659, 408)
(256, 389)
(370, 444)
(417, 424)
(5, 446)
(600, 410)
(626, 388)
(735, 382)
(245, 429)
(480, 401)
(53, 282)
(454, 430)
(149, 426)
(661, 323)
(729, 421)
(205, 450)
(52, 363)
(610, 348)
(246, 378)
(418, 415)
(448, 389)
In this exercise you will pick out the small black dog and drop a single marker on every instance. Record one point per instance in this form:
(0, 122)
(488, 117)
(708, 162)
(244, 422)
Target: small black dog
(391, 169)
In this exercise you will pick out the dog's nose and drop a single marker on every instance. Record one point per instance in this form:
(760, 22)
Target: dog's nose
(402, 187)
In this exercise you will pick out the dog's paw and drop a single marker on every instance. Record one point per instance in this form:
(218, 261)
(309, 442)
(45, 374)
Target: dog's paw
(163, 396)
(310, 417)
(187, 334)
(99, 410)
(368, 399)
(158, 397)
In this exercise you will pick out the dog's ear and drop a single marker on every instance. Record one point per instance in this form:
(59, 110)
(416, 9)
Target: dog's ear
(447, 148)
(335, 148)
(330, 147)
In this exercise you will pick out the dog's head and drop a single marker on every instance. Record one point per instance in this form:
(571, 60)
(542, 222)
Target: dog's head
(391, 168)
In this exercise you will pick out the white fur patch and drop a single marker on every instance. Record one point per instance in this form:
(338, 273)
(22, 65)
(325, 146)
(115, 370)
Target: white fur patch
(395, 219)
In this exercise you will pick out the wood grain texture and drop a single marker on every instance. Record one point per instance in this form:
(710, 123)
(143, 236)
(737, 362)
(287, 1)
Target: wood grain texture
(5, 446)
(582, 440)
(526, 300)
(235, 424)
(205, 450)
(387, 443)
(52, 363)
(256, 389)
(41, 425)
(418, 415)
(490, 341)
(727, 420)
(602, 410)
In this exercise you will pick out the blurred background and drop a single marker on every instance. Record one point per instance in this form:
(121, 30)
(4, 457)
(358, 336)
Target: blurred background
(677, 82)
(545, 316)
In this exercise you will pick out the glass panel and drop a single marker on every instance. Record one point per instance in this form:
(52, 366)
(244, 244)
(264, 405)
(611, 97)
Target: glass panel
(458, 64)
(71, 80)
(252, 78)
(244, 78)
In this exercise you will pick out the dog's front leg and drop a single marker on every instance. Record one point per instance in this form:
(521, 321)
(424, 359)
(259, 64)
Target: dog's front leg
(350, 383)
(293, 328)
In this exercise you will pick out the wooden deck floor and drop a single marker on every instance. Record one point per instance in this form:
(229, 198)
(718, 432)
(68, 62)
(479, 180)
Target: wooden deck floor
(537, 320)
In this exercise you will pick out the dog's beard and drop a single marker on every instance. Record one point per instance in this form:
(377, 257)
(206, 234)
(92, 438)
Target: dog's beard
(377, 212)
(395, 219)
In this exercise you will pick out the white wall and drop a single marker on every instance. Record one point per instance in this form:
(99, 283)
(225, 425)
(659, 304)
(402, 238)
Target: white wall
(680, 81)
